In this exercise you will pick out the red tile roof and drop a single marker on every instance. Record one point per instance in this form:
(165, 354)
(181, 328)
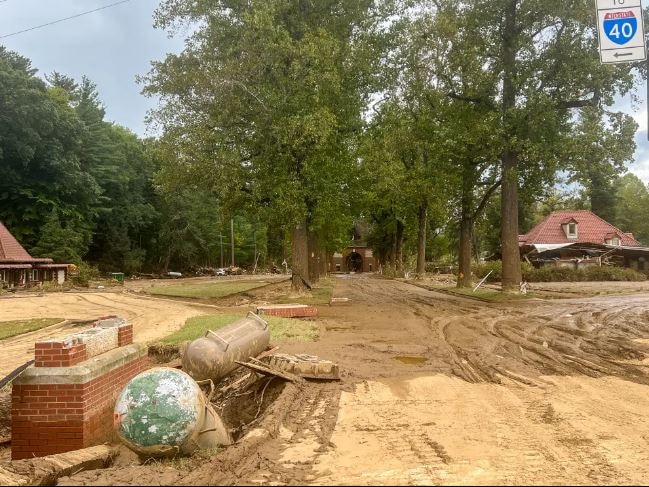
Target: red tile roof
(12, 251)
(590, 228)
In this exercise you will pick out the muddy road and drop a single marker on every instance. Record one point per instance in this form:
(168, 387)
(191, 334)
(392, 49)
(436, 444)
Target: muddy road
(438, 389)
(152, 318)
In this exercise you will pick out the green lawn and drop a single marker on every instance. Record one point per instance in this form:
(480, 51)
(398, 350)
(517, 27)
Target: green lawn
(208, 290)
(319, 295)
(12, 328)
(280, 328)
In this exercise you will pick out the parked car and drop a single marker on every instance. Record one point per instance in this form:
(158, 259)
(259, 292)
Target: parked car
(220, 272)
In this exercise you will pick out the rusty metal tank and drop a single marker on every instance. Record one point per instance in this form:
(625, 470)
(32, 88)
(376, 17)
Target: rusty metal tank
(213, 356)
(163, 412)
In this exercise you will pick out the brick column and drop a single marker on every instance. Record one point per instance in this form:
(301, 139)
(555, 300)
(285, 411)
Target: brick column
(62, 408)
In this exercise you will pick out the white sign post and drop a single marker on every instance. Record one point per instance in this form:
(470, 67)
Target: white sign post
(620, 30)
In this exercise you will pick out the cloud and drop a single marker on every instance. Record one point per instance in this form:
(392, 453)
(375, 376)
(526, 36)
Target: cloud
(640, 164)
(111, 47)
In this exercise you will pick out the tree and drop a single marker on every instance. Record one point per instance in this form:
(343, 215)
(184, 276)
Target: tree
(39, 165)
(264, 102)
(534, 65)
(63, 244)
(632, 207)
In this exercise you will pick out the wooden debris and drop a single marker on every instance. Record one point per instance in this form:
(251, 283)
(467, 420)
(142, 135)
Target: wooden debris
(306, 366)
(46, 470)
(265, 369)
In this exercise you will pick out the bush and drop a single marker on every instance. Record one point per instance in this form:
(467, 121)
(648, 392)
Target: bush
(592, 273)
(84, 273)
(496, 269)
(560, 274)
(607, 273)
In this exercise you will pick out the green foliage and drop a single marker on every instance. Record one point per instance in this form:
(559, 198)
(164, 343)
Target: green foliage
(209, 290)
(63, 244)
(264, 107)
(84, 274)
(18, 327)
(561, 274)
(632, 207)
(592, 273)
(280, 328)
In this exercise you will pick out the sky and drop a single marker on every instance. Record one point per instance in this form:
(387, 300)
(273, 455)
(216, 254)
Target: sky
(115, 45)
(111, 47)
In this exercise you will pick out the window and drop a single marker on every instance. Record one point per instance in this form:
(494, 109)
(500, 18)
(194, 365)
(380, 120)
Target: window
(572, 230)
(337, 267)
(613, 241)
(35, 275)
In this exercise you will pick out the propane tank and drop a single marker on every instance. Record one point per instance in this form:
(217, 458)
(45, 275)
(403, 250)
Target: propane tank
(163, 412)
(214, 355)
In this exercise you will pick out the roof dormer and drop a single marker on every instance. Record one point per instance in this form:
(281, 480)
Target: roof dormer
(570, 228)
(613, 239)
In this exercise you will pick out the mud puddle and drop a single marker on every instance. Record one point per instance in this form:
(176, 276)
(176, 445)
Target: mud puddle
(411, 360)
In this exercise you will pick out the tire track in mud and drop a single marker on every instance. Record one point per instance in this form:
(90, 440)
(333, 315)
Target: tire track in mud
(553, 338)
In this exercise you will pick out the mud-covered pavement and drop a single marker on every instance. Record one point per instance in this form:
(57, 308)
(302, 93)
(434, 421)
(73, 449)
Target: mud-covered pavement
(449, 390)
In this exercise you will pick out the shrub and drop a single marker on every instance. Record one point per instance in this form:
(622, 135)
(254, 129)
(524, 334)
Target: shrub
(592, 273)
(560, 274)
(84, 273)
(496, 269)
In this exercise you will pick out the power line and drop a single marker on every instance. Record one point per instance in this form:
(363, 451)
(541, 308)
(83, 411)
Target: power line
(62, 20)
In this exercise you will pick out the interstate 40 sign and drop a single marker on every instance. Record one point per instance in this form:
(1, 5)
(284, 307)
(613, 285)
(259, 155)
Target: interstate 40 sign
(621, 31)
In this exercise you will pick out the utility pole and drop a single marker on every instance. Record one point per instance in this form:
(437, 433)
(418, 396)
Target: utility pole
(232, 238)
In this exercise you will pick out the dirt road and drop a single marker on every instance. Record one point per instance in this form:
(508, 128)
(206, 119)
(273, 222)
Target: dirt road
(536, 392)
(151, 318)
(448, 390)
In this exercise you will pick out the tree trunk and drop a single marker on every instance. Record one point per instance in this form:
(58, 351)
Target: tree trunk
(399, 246)
(300, 260)
(511, 260)
(421, 241)
(511, 264)
(314, 251)
(466, 231)
(393, 251)
(323, 263)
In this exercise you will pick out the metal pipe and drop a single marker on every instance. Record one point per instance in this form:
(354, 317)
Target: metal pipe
(214, 356)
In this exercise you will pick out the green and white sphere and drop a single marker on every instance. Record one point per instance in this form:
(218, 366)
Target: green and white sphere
(159, 412)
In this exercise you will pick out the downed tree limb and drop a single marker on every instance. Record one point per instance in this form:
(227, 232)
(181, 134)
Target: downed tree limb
(46, 470)
(264, 369)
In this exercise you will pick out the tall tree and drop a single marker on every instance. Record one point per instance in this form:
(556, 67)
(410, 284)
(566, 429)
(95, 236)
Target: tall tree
(537, 64)
(264, 102)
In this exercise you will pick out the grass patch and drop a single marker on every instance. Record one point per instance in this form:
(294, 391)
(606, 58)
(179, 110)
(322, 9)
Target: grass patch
(319, 295)
(10, 329)
(209, 290)
(491, 295)
(280, 328)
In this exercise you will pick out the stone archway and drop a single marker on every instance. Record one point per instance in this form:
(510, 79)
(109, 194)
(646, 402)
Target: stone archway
(355, 262)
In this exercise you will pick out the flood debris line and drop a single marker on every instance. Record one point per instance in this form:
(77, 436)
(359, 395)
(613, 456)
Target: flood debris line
(46, 470)
(163, 412)
(216, 354)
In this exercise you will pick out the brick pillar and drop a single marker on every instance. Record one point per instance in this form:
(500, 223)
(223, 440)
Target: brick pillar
(67, 407)
(124, 335)
(59, 354)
